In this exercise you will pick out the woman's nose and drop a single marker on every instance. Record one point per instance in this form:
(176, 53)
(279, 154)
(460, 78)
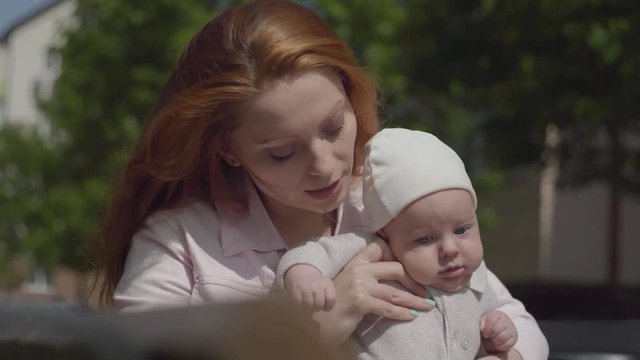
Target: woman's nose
(322, 161)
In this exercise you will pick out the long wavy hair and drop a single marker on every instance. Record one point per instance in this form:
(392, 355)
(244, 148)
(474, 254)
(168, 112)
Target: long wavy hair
(223, 67)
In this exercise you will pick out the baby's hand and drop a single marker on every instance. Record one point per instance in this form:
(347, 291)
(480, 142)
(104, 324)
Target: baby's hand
(309, 287)
(498, 332)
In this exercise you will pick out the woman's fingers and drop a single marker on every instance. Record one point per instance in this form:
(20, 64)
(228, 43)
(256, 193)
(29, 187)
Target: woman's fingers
(380, 256)
(365, 285)
(399, 297)
(359, 292)
(359, 285)
(387, 254)
(393, 270)
(371, 254)
(374, 252)
(391, 311)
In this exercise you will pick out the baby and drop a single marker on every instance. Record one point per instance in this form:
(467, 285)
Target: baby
(421, 201)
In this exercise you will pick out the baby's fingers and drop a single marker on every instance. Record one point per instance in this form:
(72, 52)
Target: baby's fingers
(329, 297)
(488, 324)
(318, 299)
(297, 296)
(504, 340)
(308, 298)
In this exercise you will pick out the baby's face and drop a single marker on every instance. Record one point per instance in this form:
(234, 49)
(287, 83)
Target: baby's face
(437, 239)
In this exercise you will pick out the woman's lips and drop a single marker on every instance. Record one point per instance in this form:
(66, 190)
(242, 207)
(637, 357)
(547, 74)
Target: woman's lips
(453, 272)
(327, 192)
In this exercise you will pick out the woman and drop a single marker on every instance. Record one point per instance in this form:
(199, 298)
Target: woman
(253, 147)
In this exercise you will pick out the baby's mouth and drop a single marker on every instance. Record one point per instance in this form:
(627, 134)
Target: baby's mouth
(452, 271)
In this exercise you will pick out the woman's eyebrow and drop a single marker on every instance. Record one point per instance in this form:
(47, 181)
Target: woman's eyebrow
(282, 141)
(275, 142)
(339, 105)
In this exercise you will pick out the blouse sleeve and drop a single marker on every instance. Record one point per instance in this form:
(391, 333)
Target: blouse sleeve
(157, 272)
(531, 343)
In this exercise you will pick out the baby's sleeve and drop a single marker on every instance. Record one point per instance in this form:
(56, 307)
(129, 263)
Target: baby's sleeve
(531, 343)
(328, 254)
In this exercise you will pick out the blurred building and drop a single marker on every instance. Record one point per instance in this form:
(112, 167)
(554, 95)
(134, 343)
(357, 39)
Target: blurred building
(580, 239)
(559, 235)
(29, 66)
(29, 62)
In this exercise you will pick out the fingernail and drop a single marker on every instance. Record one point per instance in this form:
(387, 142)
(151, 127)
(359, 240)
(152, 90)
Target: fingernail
(414, 313)
(430, 302)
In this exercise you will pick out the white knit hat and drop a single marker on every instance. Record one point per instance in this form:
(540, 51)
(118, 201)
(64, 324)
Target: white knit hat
(404, 165)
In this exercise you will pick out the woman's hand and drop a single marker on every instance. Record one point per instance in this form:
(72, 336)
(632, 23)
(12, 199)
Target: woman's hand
(359, 292)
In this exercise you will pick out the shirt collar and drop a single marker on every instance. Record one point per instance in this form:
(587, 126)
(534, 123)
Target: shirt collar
(252, 230)
(478, 281)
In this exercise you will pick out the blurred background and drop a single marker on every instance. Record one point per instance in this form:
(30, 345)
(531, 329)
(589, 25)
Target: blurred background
(540, 98)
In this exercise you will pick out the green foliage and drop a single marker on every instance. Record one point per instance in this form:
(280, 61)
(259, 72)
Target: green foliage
(114, 63)
(115, 59)
(371, 31)
(23, 157)
(488, 76)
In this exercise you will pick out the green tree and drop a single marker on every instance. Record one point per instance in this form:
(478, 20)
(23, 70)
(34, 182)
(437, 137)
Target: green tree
(502, 71)
(371, 31)
(24, 161)
(115, 59)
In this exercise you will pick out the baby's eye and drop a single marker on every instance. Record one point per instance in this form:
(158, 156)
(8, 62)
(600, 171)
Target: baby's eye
(462, 230)
(425, 240)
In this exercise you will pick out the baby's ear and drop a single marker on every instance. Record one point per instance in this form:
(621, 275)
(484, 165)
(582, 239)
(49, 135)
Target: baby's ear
(387, 253)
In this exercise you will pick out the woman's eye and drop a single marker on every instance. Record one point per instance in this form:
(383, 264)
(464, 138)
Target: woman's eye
(281, 158)
(336, 127)
(280, 154)
(425, 240)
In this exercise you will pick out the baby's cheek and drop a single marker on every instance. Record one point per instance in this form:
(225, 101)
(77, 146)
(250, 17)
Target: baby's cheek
(419, 268)
(479, 254)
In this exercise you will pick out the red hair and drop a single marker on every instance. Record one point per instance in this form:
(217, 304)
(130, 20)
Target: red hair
(222, 68)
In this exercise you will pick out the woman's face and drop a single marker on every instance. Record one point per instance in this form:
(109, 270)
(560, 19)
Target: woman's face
(296, 141)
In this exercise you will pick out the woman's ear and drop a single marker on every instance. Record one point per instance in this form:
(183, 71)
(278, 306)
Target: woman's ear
(230, 158)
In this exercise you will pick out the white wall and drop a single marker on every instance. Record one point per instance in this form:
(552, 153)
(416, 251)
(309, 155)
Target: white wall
(30, 64)
(579, 251)
(630, 241)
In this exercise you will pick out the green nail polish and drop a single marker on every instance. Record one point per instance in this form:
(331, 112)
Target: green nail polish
(430, 302)
(414, 313)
